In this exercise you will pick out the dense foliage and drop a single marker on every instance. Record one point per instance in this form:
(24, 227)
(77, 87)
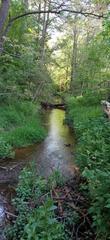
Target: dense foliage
(35, 208)
(93, 157)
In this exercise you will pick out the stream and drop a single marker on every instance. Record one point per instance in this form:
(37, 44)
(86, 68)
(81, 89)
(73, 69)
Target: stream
(55, 152)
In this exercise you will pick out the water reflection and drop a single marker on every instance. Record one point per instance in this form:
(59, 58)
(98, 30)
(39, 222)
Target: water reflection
(53, 153)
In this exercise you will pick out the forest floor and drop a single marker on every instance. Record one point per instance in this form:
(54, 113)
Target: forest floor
(73, 209)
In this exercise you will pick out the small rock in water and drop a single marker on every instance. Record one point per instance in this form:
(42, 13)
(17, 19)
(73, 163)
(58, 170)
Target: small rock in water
(67, 145)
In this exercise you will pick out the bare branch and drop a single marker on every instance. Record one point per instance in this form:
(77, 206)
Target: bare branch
(57, 12)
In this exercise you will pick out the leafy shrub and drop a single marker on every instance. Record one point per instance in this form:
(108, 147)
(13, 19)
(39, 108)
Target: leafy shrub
(87, 99)
(5, 149)
(99, 189)
(93, 147)
(42, 224)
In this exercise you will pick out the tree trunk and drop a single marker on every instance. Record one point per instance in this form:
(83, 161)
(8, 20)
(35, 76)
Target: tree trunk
(43, 34)
(26, 3)
(39, 18)
(44, 30)
(4, 10)
(74, 55)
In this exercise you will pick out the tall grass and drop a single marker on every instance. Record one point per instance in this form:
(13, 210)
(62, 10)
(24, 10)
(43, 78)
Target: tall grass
(80, 114)
(20, 126)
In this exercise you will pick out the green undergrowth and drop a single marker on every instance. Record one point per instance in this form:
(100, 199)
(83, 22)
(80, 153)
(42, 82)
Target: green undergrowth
(35, 208)
(20, 125)
(93, 157)
(48, 208)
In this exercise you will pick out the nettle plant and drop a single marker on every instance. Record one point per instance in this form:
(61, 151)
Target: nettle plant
(99, 189)
(42, 224)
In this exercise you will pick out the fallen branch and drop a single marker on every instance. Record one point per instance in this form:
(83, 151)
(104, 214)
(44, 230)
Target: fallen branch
(11, 168)
(59, 202)
(3, 168)
(53, 105)
(10, 214)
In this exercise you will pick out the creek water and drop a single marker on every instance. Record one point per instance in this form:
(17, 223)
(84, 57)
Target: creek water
(55, 152)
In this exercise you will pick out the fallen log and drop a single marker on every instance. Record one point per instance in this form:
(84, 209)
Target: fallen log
(47, 105)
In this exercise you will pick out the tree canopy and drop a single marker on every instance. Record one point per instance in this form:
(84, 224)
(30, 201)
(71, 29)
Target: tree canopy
(49, 45)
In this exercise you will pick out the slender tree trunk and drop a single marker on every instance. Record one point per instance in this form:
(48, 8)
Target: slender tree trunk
(39, 19)
(74, 55)
(3, 14)
(43, 33)
(26, 3)
(66, 73)
(4, 10)
(47, 5)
